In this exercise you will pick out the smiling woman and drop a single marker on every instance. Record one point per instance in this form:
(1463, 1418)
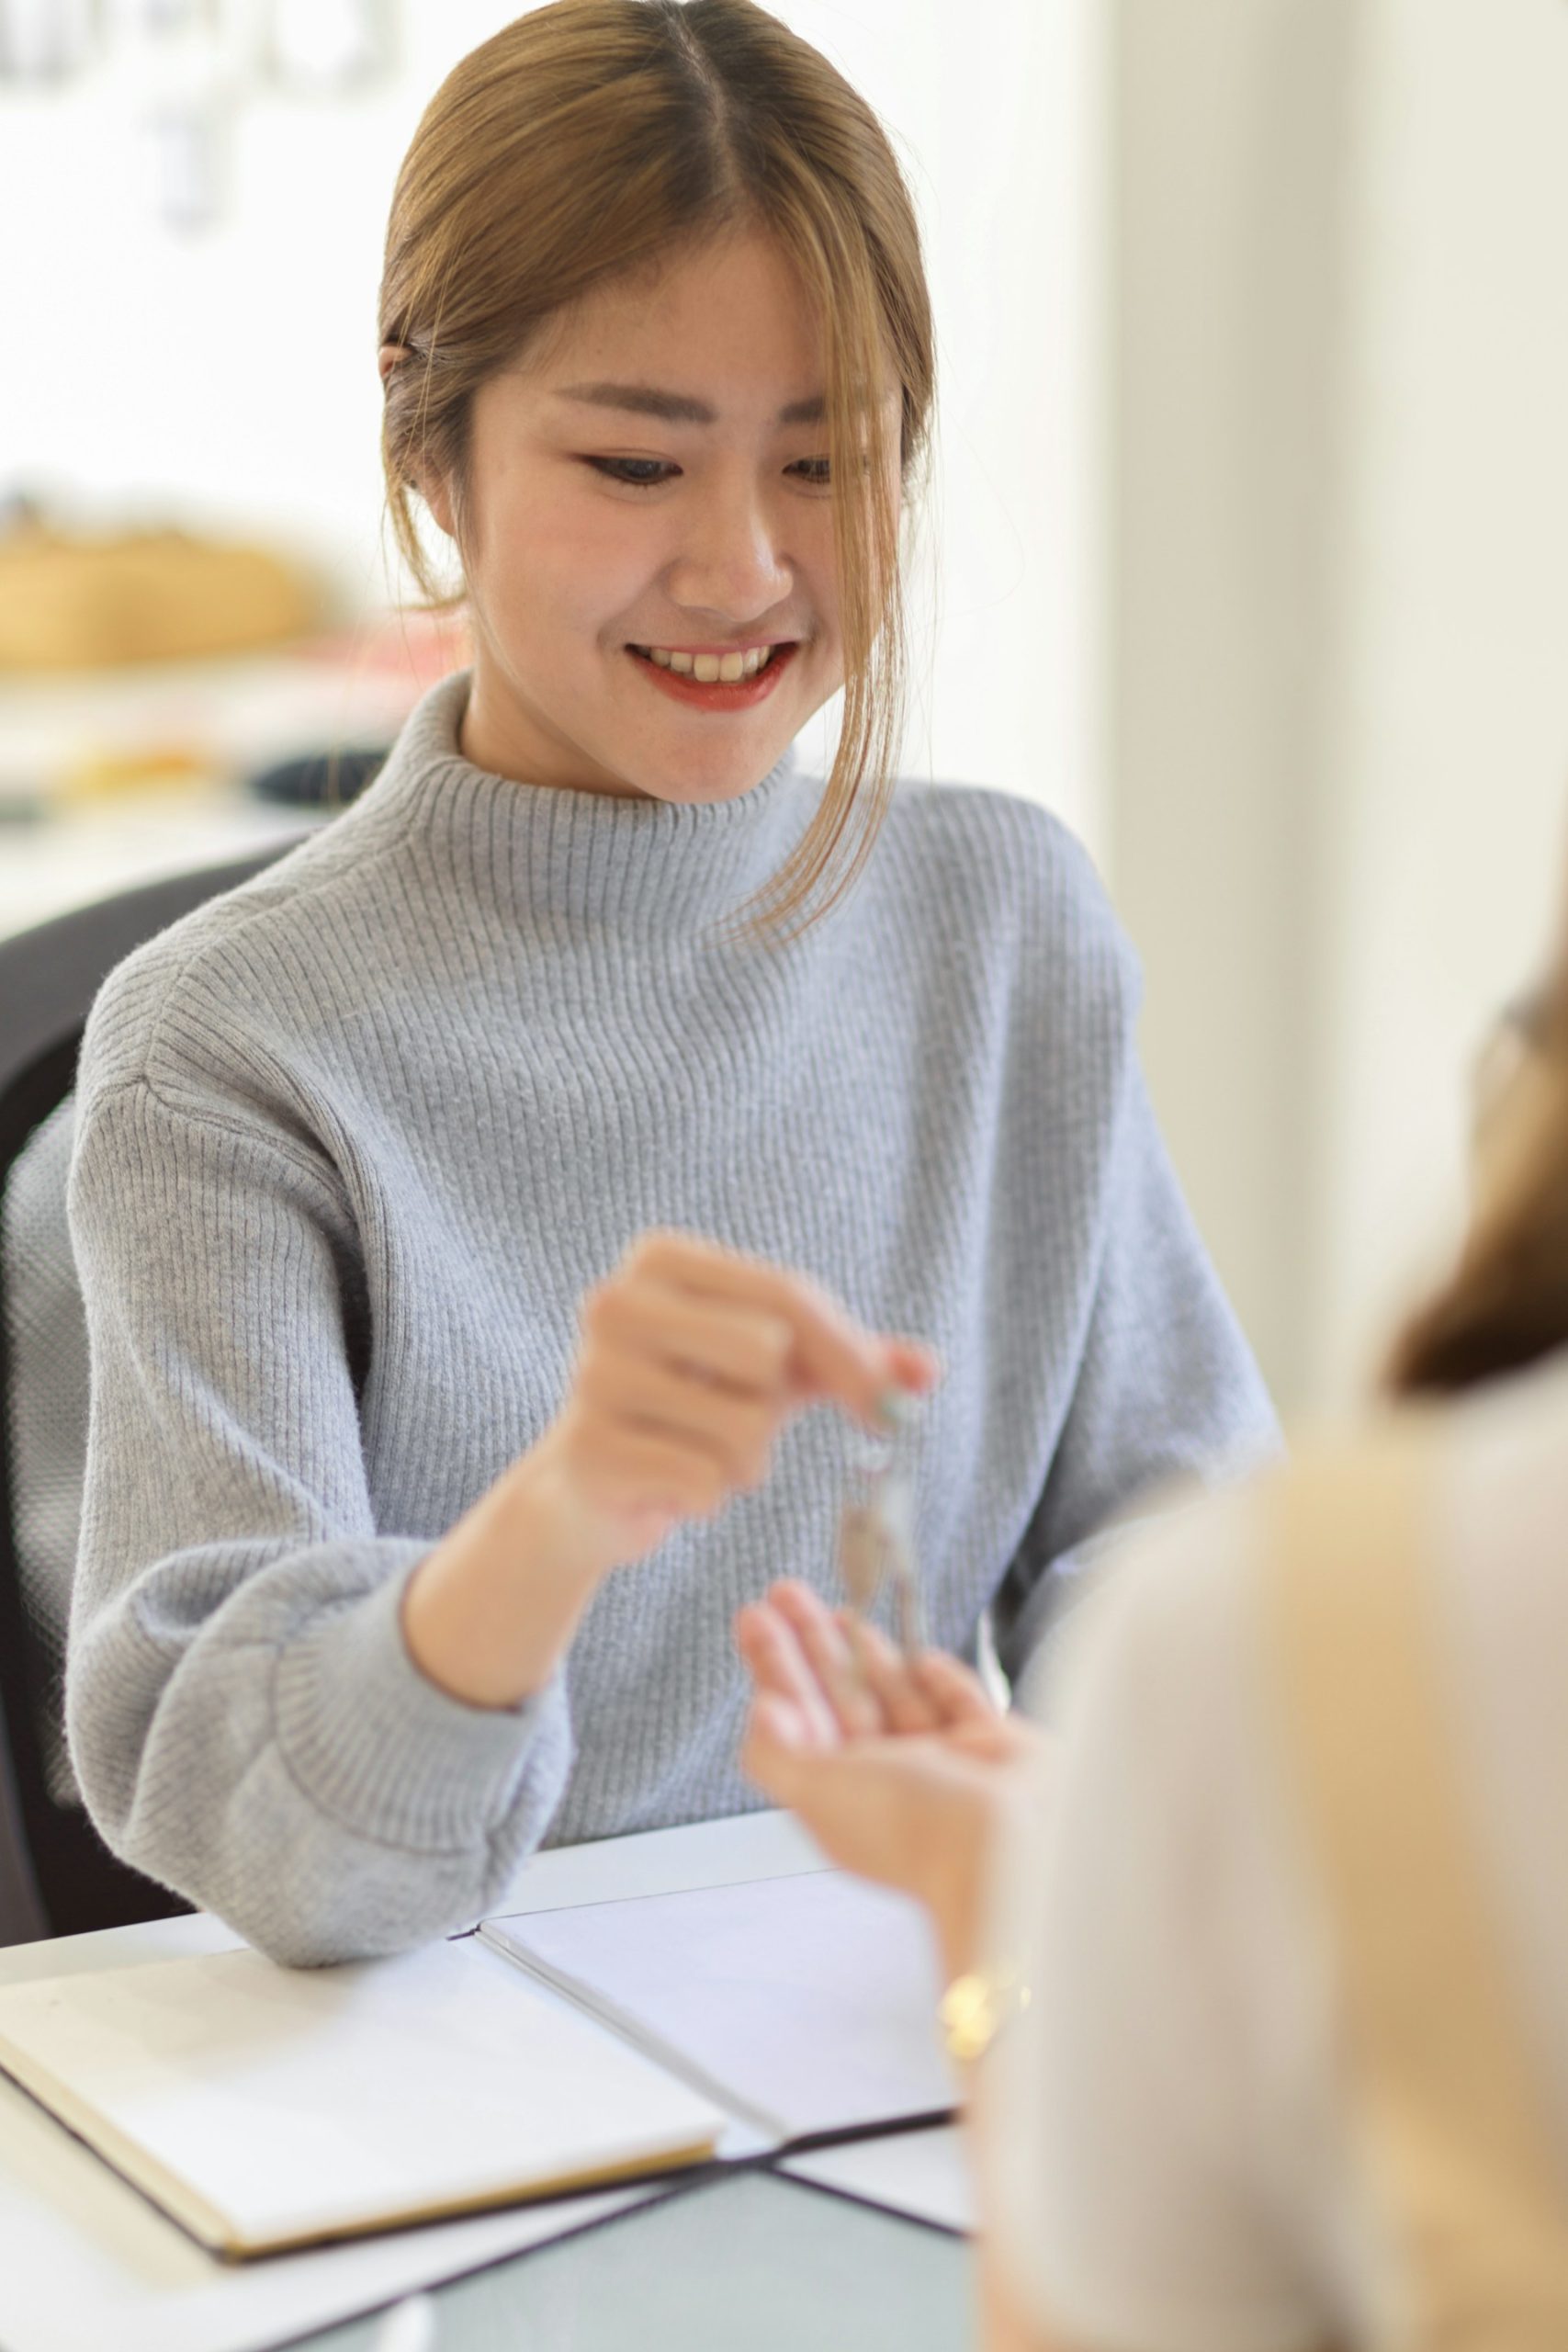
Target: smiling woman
(738, 236)
(688, 563)
(471, 1210)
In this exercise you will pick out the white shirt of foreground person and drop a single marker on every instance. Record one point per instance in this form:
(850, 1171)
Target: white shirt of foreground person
(1169, 2149)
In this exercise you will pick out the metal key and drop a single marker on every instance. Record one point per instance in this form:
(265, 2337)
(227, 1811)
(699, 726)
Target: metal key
(876, 1529)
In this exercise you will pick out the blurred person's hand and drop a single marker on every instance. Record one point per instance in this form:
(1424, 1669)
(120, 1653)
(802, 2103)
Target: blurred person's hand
(902, 1768)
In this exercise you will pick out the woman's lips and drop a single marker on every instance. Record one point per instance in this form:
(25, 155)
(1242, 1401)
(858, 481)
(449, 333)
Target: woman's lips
(743, 694)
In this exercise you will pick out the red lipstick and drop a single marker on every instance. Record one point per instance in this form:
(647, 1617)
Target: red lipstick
(743, 694)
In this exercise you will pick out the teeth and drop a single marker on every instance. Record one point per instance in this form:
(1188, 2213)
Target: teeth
(708, 667)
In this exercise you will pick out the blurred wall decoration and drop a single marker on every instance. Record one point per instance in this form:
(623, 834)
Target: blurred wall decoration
(43, 41)
(69, 601)
(184, 69)
(328, 47)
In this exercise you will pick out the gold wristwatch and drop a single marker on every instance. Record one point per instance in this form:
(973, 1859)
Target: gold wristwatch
(977, 2006)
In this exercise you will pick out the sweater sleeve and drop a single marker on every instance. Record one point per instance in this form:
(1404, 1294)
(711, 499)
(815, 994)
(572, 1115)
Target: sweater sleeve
(1166, 1388)
(244, 1719)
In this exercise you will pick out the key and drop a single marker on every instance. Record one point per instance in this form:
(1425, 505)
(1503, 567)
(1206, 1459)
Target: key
(896, 1513)
(862, 1555)
(876, 1531)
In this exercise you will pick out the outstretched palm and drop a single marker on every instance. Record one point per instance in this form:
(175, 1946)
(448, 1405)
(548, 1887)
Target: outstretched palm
(899, 1767)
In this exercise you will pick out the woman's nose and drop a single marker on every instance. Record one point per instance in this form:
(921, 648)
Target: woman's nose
(731, 562)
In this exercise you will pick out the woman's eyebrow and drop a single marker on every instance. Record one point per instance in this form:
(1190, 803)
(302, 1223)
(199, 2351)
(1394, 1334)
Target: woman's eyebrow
(678, 408)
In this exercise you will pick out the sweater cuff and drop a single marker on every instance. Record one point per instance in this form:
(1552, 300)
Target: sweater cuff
(385, 1752)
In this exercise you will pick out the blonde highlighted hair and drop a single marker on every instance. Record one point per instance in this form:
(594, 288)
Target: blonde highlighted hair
(592, 140)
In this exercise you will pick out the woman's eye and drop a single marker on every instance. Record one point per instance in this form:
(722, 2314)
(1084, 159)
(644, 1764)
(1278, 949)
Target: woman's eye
(636, 474)
(651, 473)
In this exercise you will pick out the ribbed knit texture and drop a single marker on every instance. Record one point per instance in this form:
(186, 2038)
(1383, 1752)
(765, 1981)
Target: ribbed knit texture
(354, 1139)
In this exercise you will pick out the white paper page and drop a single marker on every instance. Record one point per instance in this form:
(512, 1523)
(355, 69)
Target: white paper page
(297, 2103)
(663, 1862)
(925, 2174)
(807, 2003)
(85, 2262)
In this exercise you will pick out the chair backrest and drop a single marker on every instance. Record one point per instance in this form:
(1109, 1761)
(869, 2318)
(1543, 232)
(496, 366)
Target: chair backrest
(56, 1875)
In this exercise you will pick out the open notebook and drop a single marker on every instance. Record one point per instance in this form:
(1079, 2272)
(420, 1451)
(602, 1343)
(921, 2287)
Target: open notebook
(805, 2007)
(263, 2108)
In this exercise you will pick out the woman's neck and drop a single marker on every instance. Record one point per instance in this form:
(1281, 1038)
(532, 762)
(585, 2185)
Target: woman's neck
(503, 734)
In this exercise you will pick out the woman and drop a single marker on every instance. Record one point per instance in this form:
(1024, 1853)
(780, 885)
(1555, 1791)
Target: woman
(468, 1210)
(1274, 1972)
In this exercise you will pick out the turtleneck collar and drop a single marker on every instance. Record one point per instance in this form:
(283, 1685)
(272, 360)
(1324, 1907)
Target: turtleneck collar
(587, 856)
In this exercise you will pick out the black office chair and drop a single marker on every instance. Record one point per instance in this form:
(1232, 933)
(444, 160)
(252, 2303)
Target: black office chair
(57, 1877)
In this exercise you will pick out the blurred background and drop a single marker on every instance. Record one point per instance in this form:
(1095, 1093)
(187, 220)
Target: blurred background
(1248, 550)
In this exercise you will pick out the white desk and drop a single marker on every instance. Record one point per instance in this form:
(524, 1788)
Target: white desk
(755, 2259)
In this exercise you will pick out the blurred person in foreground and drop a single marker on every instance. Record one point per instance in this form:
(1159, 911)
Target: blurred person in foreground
(1260, 1962)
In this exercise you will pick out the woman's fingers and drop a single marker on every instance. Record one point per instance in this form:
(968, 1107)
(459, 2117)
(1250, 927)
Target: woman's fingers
(727, 1342)
(900, 1696)
(871, 1686)
(691, 1359)
(738, 1431)
(779, 1669)
(831, 1355)
(839, 1649)
(913, 1364)
(776, 1743)
(831, 1654)
(955, 1690)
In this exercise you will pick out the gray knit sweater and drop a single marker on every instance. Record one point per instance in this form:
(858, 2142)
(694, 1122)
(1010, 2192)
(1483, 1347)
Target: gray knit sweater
(353, 1139)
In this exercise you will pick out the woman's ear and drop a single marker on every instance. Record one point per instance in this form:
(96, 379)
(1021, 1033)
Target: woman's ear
(429, 484)
(431, 488)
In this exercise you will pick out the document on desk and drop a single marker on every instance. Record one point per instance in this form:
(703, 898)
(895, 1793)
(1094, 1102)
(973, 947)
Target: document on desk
(805, 2005)
(925, 2174)
(266, 2108)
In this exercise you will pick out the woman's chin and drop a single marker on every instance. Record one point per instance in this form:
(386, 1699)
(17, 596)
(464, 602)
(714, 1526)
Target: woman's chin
(696, 783)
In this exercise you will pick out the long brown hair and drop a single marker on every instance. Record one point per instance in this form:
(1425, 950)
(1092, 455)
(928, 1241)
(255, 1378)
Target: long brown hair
(1506, 1303)
(594, 138)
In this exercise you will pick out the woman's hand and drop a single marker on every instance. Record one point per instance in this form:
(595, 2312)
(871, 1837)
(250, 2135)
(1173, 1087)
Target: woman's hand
(902, 1769)
(691, 1361)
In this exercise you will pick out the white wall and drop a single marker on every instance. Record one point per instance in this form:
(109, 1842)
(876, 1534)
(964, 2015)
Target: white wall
(1448, 787)
(235, 373)
(1229, 142)
(1341, 635)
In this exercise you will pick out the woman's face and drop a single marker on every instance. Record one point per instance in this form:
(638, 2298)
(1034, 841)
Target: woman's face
(687, 511)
